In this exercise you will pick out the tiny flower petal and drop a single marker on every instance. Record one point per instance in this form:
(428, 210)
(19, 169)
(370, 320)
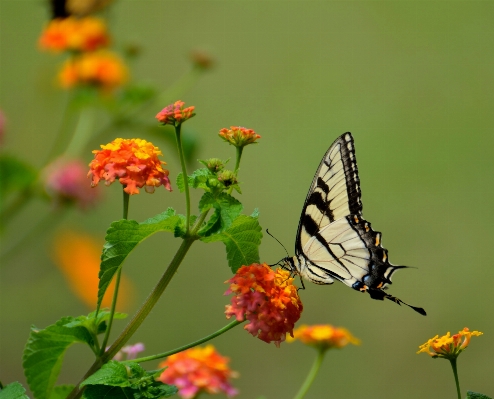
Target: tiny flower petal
(267, 299)
(199, 370)
(175, 114)
(239, 136)
(447, 346)
(134, 162)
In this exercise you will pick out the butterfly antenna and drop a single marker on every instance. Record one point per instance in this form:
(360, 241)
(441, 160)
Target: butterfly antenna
(287, 254)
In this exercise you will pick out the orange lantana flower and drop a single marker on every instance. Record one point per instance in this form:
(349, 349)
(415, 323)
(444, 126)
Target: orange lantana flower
(199, 370)
(102, 69)
(447, 346)
(239, 136)
(74, 34)
(175, 114)
(267, 299)
(78, 257)
(134, 162)
(324, 336)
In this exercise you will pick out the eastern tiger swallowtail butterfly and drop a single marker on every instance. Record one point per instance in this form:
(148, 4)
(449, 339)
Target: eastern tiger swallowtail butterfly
(334, 241)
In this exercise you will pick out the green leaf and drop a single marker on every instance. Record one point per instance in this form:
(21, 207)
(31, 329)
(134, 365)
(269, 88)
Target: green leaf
(475, 395)
(13, 391)
(226, 210)
(44, 354)
(128, 379)
(122, 237)
(242, 240)
(94, 322)
(112, 373)
(198, 179)
(16, 175)
(61, 391)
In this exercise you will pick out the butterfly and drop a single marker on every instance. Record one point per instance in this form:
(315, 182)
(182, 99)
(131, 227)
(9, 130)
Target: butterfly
(334, 241)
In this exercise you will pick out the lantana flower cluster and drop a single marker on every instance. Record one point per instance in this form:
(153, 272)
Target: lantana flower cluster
(102, 69)
(74, 34)
(198, 370)
(448, 346)
(267, 299)
(324, 336)
(175, 113)
(134, 162)
(239, 136)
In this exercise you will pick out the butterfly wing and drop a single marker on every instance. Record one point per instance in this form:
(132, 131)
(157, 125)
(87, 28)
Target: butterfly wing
(334, 192)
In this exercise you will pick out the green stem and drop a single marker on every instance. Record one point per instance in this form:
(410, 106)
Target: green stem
(185, 176)
(455, 372)
(311, 376)
(117, 282)
(191, 345)
(82, 133)
(141, 314)
(239, 156)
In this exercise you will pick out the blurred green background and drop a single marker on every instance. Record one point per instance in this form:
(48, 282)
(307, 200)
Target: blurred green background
(413, 81)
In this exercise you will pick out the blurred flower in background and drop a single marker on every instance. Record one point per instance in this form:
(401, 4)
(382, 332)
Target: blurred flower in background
(129, 352)
(267, 299)
(85, 7)
(102, 69)
(78, 257)
(134, 162)
(198, 370)
(66, 181)
(323, 336)
(74, 34)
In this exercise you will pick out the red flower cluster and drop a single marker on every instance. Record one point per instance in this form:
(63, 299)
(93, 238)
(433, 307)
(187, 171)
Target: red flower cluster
(198, 370)
(134, 162)
(175, 114)
(239, 136)
(267, 299)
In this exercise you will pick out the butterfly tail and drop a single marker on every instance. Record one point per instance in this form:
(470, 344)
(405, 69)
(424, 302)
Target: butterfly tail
(379, 294)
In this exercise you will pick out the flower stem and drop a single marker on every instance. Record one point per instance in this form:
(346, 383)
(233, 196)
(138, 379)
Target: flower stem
(117, 282)
(239, 156)
(185, 176)
(141, 314)
(191, 345)
(311, 376)
(455, 372)
(82, 132)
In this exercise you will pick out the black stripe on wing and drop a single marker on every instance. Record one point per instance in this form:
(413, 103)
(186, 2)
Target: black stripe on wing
(334, 192)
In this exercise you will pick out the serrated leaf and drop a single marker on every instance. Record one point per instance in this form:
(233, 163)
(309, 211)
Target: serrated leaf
(198, 179)
(44, 353)
(94, 322)
(61, 391)
(112, 373)
(129, 379)
(226, 210)
(475, 395)
(13, 391)
(106, 392)
(122, 237)
(242, 240)
(16, 175)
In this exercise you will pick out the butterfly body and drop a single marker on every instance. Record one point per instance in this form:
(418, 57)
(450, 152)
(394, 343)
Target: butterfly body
(334, 241)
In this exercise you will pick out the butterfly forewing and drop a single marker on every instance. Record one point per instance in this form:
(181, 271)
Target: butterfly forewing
(334, 192)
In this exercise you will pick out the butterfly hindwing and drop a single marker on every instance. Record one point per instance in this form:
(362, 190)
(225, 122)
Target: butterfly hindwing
(334, 192)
